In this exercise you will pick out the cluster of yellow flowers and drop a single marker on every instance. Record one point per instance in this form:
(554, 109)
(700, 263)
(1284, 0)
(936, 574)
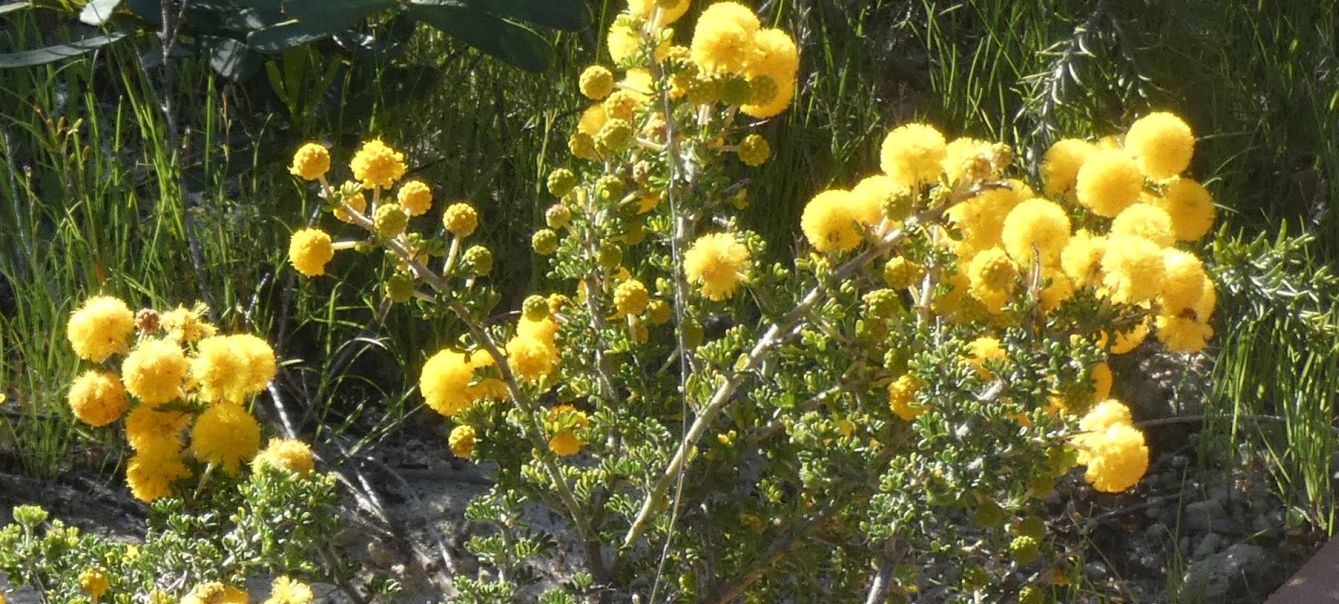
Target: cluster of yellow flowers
(1114, 221)
(1111, 447)
(180, 374)
(284, 590)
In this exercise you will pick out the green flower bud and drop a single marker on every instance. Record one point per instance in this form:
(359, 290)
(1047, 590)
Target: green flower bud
(30, 515)
(898, 205)
(557, 216)
(735, 90)
(561, 181)
(582, 145)
(614, 135)
(1024, 549)
(1032, 526)
(535, 308)
(479, 260)
(399, 288)
(610, 255)
(883, 303)
(609, 187)
(545, 242)
(753, 150)
(1031, 594)
(390, 220)
(658, 311)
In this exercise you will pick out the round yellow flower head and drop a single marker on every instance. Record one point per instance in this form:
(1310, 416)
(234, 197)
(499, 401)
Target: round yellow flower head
(444, 381)
(187, 325)
(309, 250)
(1144, 220)
(967, 157)
(1060, 166)
(286, 453)
(415, 197)
(631, 297)
(531, 358)
(101, 327)
(623, 39)
(670, 10)
(900, 273)
(147, 427)
(717, 263)
(596, 82)
(830, 221)
(94, 582)
(97, 398)
(231, 368)
(913, 154)
(992, 275)
(1190, 207)
(1132, 269)
(461, 441)
(226, 435)
(902, 397)
(152, 470)
(1183, 334)
(376, 165)
(753, 150)
(1109, 412)
(354, 200)
(980, 219)
(389, 220)
(286, 590)
(564, 421)
(772, 69)
(1116, 457)
(154, 371)
(1108, 182)
(872, 194)
(1035, 225)
(1183, 282)
(983, 349)
(1130, 339)
(1162, 145)
(620, 105)
(310, 162)
(544, 330)
(1082, 258)
(215, 593)
(460, 219)
(723, 39)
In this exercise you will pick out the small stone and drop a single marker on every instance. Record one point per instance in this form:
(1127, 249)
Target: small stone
(1207, 546)
(1204, 515)
(1156, 531)
(1230, 572)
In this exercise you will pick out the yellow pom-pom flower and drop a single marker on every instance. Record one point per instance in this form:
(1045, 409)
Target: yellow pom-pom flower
(445, 380)
(631, 297)
(231, 368)
(152, 470)
(154, 371)
(1109, 412)
(460, 219)
(1082, 258)
(913, 154)
(723, 40)
(623, 38)
(753, 150)
(717, 263)
(1190, 207)
(1035, 225)
(982, 350)
(309, 250)
(531, 358)
(967, 157)
(97, 398)
(992, 275)
(1183, 334)
(376, 165)
(900, 273)
(101, 327)
(1060, 166)
(773, 67)
(871, 195)
(461, 441)
(94, 582)
(415, 197)
(286, 590)
(1132, 269)
(564, 422)
(1108, 182)
(215, 593)
(225, 435)
(1144, 220)
(285, 453)
(902, 397)
(1183, 282)
(1116, 458)
(1162, 145)
(596, 82)
(980, 219)
(186, 325)
(310, 162)
(830, 221)
(147, 427)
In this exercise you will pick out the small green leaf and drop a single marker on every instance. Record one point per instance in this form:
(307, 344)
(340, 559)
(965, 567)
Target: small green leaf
(559, 14)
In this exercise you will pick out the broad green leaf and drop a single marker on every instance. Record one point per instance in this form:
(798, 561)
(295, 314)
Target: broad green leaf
(558, 14)
(508, 41)
(314, 20)
(51, 54)
(13, 6)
